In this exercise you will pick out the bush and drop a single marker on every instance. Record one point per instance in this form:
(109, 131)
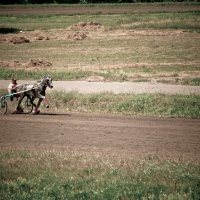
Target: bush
(5, 30)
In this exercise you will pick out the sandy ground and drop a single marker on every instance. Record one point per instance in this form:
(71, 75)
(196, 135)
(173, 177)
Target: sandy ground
(104, 134)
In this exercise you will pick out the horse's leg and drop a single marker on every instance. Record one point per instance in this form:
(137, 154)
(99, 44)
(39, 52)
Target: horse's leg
(36, 111)
(39, 102)
(32, 102)
(18, 109)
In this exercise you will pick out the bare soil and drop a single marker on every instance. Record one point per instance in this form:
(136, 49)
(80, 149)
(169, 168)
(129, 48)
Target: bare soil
(101, 9)
(133, 137)
(115, 87)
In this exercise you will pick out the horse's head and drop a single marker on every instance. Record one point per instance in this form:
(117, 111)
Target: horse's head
(47, 81)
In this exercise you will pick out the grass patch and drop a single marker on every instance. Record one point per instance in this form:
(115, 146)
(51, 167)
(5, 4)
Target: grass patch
(33, 75)
(182, 81)
(183, 20)
(70, 175)
(160, 105)
(165, 21)
(128, 104)
(135, 74)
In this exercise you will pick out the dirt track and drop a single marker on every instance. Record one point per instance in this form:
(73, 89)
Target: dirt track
(101, 9)
(116, 87)
(106, 134)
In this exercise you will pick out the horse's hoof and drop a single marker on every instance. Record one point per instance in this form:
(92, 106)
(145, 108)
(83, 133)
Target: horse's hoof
(20, 111)
(35, 112)
(14, 112)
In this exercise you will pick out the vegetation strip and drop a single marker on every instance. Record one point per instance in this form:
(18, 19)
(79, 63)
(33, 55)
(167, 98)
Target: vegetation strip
(125, 74)
(71, 175)
(187, 106)
(161, 105)
(160, 20)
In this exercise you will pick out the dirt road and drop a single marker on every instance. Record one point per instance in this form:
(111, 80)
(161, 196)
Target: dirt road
(115, 87)
(104, 134)
(100, 9)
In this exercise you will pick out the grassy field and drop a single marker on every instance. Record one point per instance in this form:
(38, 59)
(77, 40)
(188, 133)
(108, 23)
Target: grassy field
(137, 46)
(183, 20)
(71, 175)
(128, 47)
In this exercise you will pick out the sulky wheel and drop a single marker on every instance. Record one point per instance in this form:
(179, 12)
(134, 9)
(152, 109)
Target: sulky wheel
(25, 106)
(3, 107)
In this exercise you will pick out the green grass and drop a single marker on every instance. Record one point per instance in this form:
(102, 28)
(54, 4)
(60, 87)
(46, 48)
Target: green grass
(71, 175)
(164, 21)
(33, 75)
(181, 81)
(186, 20)
(187, 106)
(138, 74)
(160, 105)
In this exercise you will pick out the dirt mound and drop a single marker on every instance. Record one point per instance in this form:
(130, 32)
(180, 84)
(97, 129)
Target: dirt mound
(19, 40)
(3, 39)
(38, 63)
(32, 64)
(77, 36)
(42, 38)
(87, 26)
(95, 79)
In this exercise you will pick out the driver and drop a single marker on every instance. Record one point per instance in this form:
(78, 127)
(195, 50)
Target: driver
(12, 88)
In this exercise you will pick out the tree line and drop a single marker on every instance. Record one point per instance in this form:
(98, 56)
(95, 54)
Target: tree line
(86, 1)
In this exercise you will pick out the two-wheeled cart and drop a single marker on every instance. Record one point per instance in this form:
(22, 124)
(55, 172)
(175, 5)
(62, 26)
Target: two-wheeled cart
(25, 105)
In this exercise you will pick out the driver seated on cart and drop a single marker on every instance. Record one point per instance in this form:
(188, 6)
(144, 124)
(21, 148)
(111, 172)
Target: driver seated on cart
(12, 88)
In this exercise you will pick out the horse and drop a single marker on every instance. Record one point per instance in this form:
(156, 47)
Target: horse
(33, 91)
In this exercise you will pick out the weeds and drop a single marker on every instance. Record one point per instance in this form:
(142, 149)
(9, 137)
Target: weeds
(185, 106)
(70, 175)
(32, 75)
(135, 74)
(128, 104)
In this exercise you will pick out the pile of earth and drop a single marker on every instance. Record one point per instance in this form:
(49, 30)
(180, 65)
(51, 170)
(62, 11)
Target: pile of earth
(19, 40)
(79, 31)
(87, 26)
(32, 64)
(14, 40)
(77, 36)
